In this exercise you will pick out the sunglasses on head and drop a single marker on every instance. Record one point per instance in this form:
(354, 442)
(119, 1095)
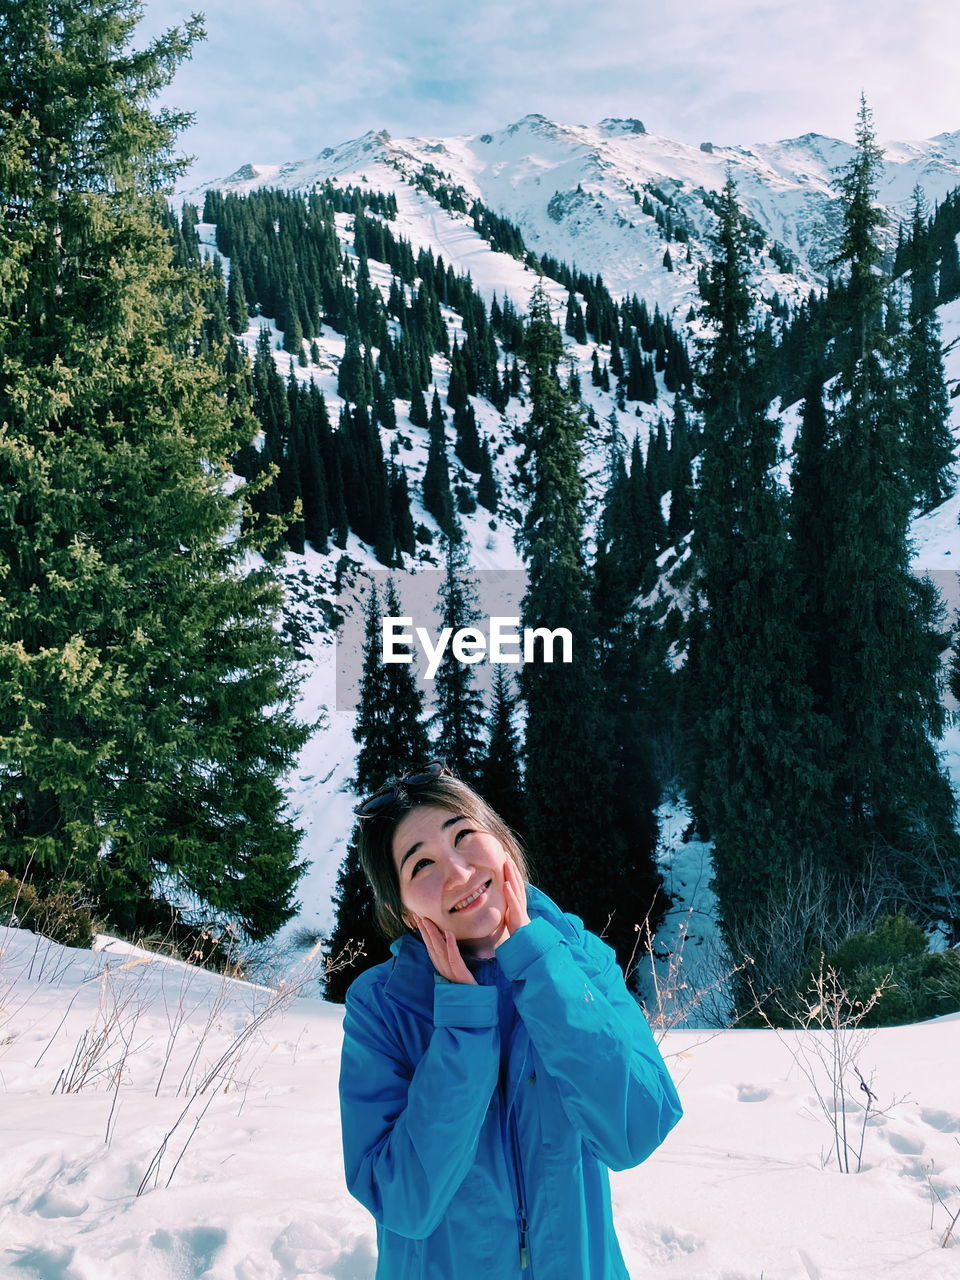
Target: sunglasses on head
(389, 794)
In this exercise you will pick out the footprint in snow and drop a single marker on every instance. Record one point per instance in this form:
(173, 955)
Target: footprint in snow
(661, 1245)
(46, 1264)
(194, 1250)
(54, 1204)
(905, 1143)
(945, 1121)
(752, 1093)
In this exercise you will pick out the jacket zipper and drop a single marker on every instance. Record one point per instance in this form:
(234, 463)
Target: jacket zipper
(521, 1207)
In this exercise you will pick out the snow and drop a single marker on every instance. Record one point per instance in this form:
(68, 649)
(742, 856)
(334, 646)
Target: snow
(216, 1101)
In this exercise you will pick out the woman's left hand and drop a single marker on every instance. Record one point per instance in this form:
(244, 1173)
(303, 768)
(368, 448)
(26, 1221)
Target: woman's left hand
(515, 896)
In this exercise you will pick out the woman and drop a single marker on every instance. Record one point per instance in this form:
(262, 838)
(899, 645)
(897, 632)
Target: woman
(494, 1068)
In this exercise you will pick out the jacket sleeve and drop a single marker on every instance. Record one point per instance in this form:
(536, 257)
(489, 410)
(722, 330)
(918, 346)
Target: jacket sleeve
(594, 1041)
(410, 1131)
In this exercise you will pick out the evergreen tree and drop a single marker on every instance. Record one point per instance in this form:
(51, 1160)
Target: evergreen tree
(418, 409)
(656, 476)
(949, 286)
(392, 740)
(681, 482)
(581, 861)
(467, 447)
(457, 392)
(289, 322)
(457, 723)
(237, 301)
(644, 507)
(350, 379)
(616, 569)
(308, 436)
(929, 444)
(811, 534)
(882, 624)
(630, 650)
(385, 394)
(754, 772)
(575, 325)
(145, 722)
(366, 491)
(500, 780)
(400, 510)
(437, 498)
(487, 491)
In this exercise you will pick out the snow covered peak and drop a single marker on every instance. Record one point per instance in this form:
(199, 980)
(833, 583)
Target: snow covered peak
(613, 198)
(612, 125)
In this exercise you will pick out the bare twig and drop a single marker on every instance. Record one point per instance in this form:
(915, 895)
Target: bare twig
(829, 1042)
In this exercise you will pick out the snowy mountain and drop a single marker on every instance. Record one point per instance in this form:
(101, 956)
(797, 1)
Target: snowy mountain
(574, 189)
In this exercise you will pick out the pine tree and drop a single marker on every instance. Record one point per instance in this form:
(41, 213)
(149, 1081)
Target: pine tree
(385, 394)
(929, 444)
(616, 359)
(400, 510)
(500, 780)
(881, 622)
(630, 649)
(308, 435)
(949, 286)
(457, 391)
(754, 775)
(146, 722)
(289, 322)
(467, 447)
(585, 865)
(643, 517)
(456, 725)
(487, 491)
(811, 534)
(418, 409)
(616, 569)
(437, 498)
(392, 740)
(681, 482)
(350, 379)
(237, 301)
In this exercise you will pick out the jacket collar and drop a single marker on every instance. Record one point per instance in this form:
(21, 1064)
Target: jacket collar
(411, 981)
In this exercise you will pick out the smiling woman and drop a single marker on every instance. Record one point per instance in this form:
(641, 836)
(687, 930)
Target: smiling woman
(497, 1065)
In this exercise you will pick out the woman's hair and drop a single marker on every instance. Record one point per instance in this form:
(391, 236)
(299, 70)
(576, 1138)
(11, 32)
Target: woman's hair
(375, 841)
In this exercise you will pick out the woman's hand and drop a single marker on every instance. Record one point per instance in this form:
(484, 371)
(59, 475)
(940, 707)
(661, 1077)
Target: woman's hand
(515, 896)
(443, 951)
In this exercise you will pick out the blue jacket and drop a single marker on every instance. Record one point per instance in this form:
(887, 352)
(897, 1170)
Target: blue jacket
(483, 1160)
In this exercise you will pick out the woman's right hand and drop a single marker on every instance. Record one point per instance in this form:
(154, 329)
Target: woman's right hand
(443, 951)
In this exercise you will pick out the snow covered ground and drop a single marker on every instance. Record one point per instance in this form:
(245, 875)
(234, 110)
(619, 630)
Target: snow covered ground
(163, 1123)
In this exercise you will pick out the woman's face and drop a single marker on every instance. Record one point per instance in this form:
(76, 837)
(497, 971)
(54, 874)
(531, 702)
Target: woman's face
(442, 860)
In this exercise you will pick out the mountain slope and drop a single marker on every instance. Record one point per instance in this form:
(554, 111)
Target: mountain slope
(573, 190)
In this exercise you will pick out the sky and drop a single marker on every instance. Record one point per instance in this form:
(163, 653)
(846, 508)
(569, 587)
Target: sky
(282, 80)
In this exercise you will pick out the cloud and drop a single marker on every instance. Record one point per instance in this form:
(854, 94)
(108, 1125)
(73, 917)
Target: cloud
(280, 82)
